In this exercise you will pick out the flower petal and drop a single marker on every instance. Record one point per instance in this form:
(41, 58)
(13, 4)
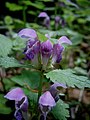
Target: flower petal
(43, 14)
(18, 115)
(54, 91)
(57, 53)
(46, 48)
(57, 19)
(15, 94)
(27, 33)
(47, 100)
(64, 39)
(33, 48)
(24, 105)
(55, 85)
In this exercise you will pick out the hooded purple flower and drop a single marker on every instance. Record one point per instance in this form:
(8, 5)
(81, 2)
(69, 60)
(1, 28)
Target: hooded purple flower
(46, 20)
(58, 49)
(43, 14)
(46, 51)
(54, 91)
(57, 53)
(33, 45)
(46, 102)
(21, 102)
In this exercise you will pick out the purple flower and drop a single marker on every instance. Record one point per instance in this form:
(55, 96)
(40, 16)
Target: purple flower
(28, 33)
(57, 53)
(32, 48)
(54, 91)
(33, 45)
(46, 51)
(21, 102)
(58, 49)
(43, 14)
(32, 51)
(57, 21)
(46, 20)
(46, 102)
(65, 40)
(48, 99)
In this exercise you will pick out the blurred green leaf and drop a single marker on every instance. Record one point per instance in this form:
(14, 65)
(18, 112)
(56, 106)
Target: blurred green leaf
(19, 44)
(27, 78)
(13, 6)
(38, 5)
(7, 62)
(80, 71)
(8, 20)
(8, 83)
(41, 37)
(5, 45)
(3, 108)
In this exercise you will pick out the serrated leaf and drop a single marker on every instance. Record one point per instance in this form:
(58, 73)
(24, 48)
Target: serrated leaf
(60, 111)
(7, 62)
(19, 44)
(68, 77)
(5, 45)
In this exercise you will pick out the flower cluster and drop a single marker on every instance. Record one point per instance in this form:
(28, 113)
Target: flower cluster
(49, 99)
(57, 20)
(44, 53)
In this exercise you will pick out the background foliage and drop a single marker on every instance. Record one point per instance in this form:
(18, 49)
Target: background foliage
(75, 23)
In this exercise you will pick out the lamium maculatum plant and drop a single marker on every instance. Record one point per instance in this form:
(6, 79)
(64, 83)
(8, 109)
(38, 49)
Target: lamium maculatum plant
(42, 56)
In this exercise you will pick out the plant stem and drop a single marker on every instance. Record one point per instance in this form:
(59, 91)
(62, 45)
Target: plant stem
(24, 15)
(40, 85)
(3, 84)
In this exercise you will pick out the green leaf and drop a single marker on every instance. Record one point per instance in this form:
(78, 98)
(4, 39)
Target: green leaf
(8, 83)
(37, 5)
(8, 20)
(19, 44)
(77, 39)
(80, 71)
(5, 45)
(27, 78)
(68, 77)
(60, 111)
(13, 6)
(3, 108)
(41, 37)
(31, 95)
(7, 62)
